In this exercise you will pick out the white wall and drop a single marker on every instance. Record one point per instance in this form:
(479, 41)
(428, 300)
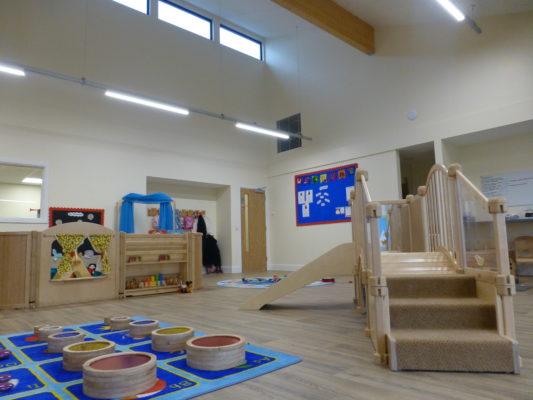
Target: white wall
(98, 149)
(291, 245)
(497, 157)
(353, 105)
(23, 197)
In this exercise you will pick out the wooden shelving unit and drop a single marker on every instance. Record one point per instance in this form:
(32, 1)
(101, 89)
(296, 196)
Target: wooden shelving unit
(173, 255)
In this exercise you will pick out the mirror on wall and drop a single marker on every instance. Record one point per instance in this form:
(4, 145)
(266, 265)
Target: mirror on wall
(22, 192)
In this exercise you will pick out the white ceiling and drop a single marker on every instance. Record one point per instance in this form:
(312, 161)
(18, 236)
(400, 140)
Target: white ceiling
(267, 19)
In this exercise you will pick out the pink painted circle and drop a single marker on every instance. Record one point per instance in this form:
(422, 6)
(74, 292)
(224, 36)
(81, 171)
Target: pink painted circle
(215, 341)
(120, 361)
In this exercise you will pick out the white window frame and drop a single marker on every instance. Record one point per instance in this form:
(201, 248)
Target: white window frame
(241, 32)
(134, 9)
(43, 219)
(195, 13)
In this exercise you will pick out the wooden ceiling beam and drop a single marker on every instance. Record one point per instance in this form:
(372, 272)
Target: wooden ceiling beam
(335, 20)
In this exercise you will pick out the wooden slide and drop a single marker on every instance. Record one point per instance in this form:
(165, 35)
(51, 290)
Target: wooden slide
(338, 261)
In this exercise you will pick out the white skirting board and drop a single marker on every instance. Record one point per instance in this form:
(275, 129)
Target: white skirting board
(284, 267)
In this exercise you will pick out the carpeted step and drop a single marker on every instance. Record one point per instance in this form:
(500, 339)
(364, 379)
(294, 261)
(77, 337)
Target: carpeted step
(442, 313)
(432, 286)
(452, 350)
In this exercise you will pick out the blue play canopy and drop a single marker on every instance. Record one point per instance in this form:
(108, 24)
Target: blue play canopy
(166, 219)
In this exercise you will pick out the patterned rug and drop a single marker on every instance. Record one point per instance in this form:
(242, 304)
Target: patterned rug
(39, 376)
(261, 282)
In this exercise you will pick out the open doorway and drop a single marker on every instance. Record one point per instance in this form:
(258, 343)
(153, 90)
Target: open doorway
(415, 163)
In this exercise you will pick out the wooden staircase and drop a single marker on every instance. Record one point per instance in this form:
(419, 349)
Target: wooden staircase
(440, 323)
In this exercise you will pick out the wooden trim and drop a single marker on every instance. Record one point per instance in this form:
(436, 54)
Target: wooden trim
(329, 16)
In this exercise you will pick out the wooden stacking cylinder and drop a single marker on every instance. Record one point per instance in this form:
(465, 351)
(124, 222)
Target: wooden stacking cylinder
(75, 355)
(215, 352)
(37, 327)
(171, 339)
(119, 375)
(48, 330)
(107, 320)
(119, 323)
(57, 341)
(142, 329)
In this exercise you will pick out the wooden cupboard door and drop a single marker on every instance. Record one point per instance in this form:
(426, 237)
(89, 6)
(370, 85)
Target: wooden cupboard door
(14, 270)
(253, 231)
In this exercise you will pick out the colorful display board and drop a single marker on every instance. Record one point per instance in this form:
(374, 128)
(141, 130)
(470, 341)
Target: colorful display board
(62, 215)
(38, 375)
(322, 197)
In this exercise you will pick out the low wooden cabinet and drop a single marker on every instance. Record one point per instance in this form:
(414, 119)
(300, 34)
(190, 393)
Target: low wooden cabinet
(159, 263)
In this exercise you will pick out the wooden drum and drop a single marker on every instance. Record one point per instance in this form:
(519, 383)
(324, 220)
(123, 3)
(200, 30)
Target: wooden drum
(171, 339)
(119, 323)
(215, 352)
(75, 355)
(142, 329)
(45, 331)
(119, 375)
(57, 341)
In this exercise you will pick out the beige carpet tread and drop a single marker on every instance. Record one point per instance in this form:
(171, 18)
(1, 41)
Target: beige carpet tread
(442, 313)
(452, 350)
(432, 286)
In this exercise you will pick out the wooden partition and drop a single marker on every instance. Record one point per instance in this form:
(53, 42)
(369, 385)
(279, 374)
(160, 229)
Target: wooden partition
(15, 264)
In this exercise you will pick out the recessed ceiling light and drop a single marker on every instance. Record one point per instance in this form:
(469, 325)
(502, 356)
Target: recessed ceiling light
(33, 181)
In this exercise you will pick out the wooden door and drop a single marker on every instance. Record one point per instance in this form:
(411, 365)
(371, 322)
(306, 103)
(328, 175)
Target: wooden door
(253, 231)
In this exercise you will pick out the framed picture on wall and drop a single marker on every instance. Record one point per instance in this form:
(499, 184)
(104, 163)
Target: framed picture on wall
(63, 215)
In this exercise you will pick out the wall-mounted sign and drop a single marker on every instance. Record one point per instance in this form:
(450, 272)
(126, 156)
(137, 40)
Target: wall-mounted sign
(322, 197)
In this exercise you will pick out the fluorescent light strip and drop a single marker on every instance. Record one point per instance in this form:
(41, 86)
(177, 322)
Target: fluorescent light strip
(147, 103)
(452, 9)
(257, 129)
(12, 70)
(33, 181)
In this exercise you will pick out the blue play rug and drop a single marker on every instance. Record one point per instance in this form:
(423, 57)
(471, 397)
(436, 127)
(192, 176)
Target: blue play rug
(40, 376)
(262, 282)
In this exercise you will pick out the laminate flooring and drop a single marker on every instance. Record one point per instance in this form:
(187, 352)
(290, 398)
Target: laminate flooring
(318, 324)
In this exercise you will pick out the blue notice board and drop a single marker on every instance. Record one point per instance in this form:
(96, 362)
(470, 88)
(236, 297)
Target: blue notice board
(322, 197)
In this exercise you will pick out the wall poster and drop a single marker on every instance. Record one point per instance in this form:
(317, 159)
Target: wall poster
(322, 197)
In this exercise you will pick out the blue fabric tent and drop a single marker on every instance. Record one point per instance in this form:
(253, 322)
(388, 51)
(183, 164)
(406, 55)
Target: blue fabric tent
(166, 217)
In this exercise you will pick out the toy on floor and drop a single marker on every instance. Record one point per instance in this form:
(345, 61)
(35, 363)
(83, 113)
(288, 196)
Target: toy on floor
(119, 375)
(215, 352)
(4, 354)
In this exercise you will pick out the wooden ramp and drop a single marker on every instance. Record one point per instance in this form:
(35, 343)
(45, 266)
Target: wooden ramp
(338, 261)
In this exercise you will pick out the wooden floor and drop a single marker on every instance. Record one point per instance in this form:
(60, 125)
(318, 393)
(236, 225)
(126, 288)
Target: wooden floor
(318, 324)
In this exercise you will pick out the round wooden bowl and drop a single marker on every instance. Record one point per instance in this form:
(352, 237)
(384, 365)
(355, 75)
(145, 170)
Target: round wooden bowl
(119, 323)
(215, 352)
(142, 329)
(75, 355)
(57, 341)
(37, 327)
(48, 330)
(119, 375)
(171, 339)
